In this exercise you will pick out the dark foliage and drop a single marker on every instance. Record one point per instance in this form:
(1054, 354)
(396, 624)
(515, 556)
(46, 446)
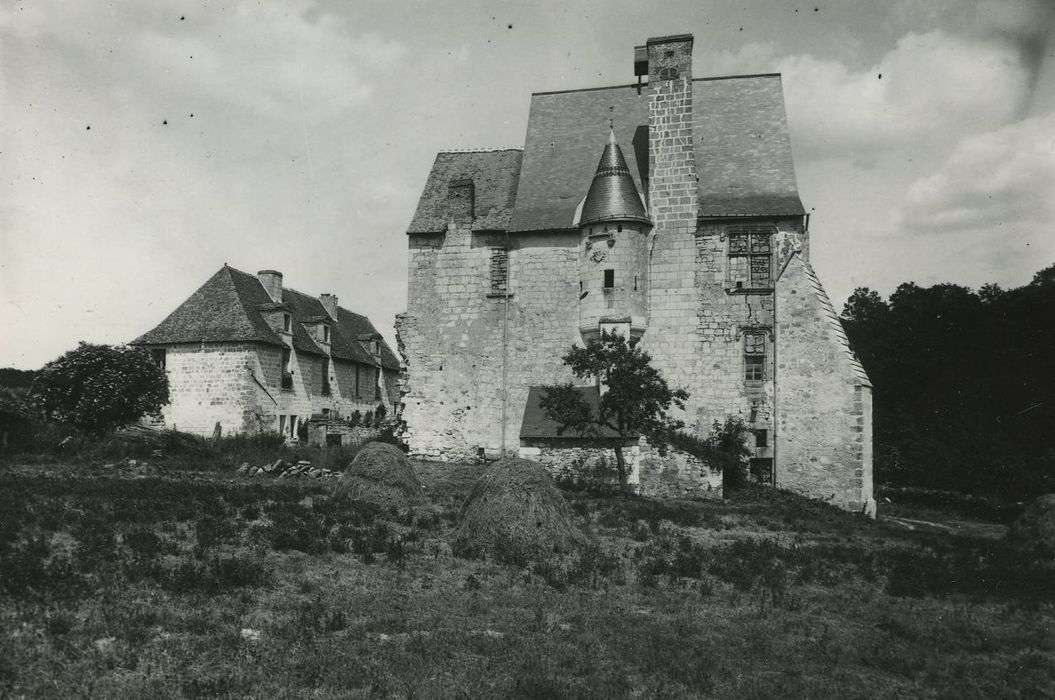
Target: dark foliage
(963, 385)
(636, 400)
(725, 449)
(98, 388)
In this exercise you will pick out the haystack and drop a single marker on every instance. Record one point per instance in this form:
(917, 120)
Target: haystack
(380, 474)
(514, 513)
(1034, 530)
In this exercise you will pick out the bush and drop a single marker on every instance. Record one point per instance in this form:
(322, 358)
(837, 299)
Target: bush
(724, 449)
(98, 388)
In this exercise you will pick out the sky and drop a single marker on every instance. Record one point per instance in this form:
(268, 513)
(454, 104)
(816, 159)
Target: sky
(143, 145)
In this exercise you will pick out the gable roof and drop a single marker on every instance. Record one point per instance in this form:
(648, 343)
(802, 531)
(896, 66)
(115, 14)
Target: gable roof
(743, 155)
(538, 424)
(229, 307)
(494, 175)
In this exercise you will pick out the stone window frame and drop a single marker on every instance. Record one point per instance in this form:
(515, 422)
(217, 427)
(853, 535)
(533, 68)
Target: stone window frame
(755, 348)
(287, 369)
(325, 333)
(287, 323)
(757, 249)
(326, 389)
(499, 278)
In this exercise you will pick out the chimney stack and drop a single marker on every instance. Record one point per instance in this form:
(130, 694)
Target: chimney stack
(329, 302)
(272, 281)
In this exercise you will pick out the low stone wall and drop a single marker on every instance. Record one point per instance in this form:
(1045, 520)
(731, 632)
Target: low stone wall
(592, 463)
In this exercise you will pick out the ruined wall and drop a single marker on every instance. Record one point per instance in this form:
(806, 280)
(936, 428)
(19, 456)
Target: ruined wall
(824, 417)
(591, 462)
(457, 333)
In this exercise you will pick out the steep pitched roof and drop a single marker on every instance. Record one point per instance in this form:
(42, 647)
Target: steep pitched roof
(224, 309)
(743, 151)
(538, 424)
(743, 156)
(612, 195)
(830, 315)
(560, 151)
(229, 308)
(494, 175)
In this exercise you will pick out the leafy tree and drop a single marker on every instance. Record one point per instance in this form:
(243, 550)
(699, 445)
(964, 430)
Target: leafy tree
(99, 388)
(635, 401)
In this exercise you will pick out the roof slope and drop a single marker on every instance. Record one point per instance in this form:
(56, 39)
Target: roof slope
(494, 175)
(224, 309)
(612, 195)
(538, 424)
(229, 308)
(743, 151)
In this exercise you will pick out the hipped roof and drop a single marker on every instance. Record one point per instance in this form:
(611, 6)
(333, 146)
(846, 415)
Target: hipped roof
(230, 307)
(741, 143)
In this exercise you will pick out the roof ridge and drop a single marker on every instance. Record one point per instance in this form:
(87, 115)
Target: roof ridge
(741, 75)
(481, 149)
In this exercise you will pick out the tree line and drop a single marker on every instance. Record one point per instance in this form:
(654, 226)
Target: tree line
(964, 384)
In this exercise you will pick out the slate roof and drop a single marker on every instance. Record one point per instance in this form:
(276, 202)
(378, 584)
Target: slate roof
(494, 175)
(743, 155)
(537, 424)
(612, 195)
(229, 308)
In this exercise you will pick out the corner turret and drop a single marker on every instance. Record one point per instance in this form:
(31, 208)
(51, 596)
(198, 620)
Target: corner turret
(613, 257)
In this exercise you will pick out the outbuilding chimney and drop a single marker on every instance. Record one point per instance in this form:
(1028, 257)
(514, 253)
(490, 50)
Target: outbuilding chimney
(329, 302)
(272, 281)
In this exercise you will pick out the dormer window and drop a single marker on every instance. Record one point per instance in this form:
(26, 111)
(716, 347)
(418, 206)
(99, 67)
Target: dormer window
(325, 333)
(287, 323)
(375, 347)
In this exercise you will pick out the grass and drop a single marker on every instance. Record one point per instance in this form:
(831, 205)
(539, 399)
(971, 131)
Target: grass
(203, 584)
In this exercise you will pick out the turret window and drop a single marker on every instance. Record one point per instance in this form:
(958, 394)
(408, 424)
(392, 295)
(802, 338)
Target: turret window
(750, 256)
(609, 279)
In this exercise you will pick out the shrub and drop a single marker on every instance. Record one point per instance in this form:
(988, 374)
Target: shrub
(98, 388)
(724, 449)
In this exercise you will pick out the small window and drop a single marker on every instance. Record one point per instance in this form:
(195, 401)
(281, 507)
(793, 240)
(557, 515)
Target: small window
(499, 271)
(609, 279)
(325, 334)
(761, 438)
(287, 323)
(357, 393)
(754, 357)
(619, 228)
(325, 376)
(158, 356)
(377, 385)
(375, 347)
(287, 371)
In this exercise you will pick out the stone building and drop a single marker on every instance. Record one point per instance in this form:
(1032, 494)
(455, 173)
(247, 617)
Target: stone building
(688, 235)
(253, 356)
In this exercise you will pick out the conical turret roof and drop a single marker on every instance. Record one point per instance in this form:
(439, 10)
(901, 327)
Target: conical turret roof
(613, 195)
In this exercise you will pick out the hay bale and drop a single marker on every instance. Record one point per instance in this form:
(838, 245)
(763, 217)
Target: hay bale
(1034, 530)
(515, 514)
(380, 474)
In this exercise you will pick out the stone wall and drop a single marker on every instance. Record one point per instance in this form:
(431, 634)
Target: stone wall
(457, 335)
(823, 399)
(208, 384)
(592, 462)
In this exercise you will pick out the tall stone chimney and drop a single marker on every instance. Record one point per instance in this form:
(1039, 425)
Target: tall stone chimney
(673, 298)
(272, 281)
(329, 302)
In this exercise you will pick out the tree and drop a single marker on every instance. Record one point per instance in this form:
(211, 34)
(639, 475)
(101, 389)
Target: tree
(635, 400)
(99, 388)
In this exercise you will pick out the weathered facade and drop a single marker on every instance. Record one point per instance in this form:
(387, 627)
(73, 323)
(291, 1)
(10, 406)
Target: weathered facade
(252, 356)
(688, 235)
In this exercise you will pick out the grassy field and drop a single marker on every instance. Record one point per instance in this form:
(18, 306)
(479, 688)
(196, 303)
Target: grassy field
(201, 584)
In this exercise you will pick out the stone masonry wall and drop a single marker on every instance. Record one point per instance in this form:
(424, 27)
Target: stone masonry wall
(823, 400)
(674, 475)
(208, 384)
(457, 334)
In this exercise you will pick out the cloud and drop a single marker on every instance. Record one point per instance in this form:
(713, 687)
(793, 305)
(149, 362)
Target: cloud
(929, 90)
(1004, 177)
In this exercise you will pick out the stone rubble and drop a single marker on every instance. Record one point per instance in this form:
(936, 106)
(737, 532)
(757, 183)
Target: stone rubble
(280, 469)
